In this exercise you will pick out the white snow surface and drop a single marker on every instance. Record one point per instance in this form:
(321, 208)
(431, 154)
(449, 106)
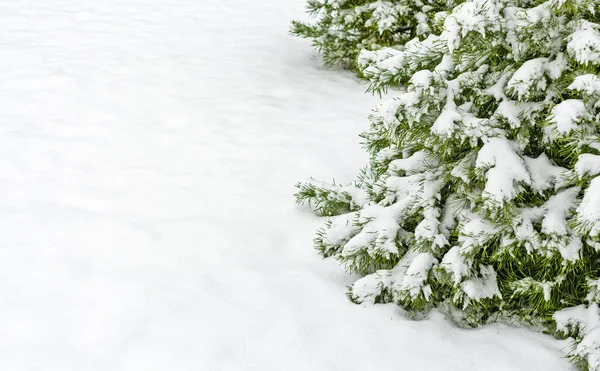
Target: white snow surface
(149, 152)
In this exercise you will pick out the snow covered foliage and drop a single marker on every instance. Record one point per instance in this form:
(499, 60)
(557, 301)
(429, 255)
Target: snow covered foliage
(344, 27)
(482, 192)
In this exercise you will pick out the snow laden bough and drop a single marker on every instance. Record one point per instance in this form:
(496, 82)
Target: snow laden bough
(482, 196)
(344, 27)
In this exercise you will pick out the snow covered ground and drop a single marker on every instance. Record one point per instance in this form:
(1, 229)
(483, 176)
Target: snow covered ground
(148, 153)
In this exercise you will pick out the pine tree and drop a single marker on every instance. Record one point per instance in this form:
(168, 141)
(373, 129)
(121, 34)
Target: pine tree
(344, 27)
(482, 195)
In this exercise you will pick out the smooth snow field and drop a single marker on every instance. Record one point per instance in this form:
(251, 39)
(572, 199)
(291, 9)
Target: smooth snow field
(149, 151)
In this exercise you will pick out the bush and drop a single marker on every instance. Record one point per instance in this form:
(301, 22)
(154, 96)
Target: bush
(482, 195)
(344, 27)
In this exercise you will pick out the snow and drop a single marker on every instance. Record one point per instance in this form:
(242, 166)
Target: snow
(471, 16)
(386, 111)
(485, 286)
(538, 13)
(454, 263)
(428, 228)
(523, 227)
(511, 110)
(416, 275)
(528, 78)
(588, 212)
(571, 251)
(463, 168)
(587, 320)
(587, 163)
(149, 155)
(556, 211)
(416, 163)
(497, 90)
(572, 316)
(379, 233)
(363, 289)
(475, 232)
(385, 15)
(566, 114)
(556, 68)
(543, 173)
(584, 43)
(505, 169)
(444, 124)
(338, 234)
(421, 79)
(588, 83)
